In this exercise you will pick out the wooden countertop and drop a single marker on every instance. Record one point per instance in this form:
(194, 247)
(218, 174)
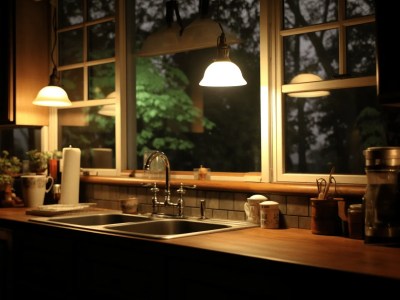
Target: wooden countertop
(296, 246)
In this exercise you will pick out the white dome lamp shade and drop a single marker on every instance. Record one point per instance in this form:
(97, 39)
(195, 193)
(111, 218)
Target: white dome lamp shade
(307, 77)
(52, 95)
(222, 72)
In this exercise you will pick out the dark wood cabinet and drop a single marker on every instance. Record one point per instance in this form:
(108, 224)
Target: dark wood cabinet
(7, 62)
(5, 263)
(65, 263)
(24, 61)
(68, 264)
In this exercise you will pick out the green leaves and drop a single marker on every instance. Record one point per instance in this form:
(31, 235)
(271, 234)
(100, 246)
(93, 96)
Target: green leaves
(165, 112)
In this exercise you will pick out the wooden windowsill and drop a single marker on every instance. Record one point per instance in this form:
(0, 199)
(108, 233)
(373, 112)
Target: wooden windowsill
(306, 189)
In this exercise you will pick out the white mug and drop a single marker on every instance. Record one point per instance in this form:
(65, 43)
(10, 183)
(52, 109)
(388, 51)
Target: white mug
(34, 189)
(252, 208)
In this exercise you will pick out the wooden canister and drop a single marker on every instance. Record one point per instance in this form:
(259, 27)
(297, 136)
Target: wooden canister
(324, 217)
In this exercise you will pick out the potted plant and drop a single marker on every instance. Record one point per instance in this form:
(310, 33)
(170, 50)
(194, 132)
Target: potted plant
(38, 160)
(10, 166)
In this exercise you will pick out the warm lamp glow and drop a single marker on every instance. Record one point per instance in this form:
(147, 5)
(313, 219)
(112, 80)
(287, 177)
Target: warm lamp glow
(307, 77)
(53, 96)
(222, 73)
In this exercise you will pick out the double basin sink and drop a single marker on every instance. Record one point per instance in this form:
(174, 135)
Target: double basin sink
(144, 226)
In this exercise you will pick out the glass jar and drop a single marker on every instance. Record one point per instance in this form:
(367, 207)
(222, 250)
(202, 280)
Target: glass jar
(355, 217)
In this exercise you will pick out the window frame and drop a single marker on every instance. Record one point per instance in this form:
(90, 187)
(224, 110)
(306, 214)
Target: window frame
(52, 142)
(271, 91)
(279, 88)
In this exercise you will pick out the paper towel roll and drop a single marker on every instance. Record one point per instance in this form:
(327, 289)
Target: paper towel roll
(70, 176)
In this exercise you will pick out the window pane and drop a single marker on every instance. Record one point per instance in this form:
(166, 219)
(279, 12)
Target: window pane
(101, 41)
(17, 141)
(314, 52)
(361, 50)
(70, 47)
(72, 82)
(70, 12)
(101, 81)
(216, 127)
(91, 131)
(98, 9)
(335, 130)
(301, 13)
(359, 8)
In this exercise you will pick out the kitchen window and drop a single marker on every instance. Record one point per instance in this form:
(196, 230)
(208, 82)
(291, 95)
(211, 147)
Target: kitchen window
(87, 63)
(334, 39)
(156, 103)
(157, 100)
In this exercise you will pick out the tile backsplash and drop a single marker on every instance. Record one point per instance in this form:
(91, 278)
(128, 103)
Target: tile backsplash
(294, 210)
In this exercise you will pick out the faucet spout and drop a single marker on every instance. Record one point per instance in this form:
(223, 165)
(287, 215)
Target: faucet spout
(165, 160)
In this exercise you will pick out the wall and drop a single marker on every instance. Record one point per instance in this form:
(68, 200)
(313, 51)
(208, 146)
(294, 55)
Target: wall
(295, 211)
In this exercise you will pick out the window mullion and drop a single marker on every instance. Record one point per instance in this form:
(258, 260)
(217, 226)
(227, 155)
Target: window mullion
(342, 37)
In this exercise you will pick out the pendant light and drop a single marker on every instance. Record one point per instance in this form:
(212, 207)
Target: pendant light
(222, 72)
(304, 78)
(53, 95)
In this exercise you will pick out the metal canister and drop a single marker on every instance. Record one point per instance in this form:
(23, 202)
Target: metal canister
(269, 214)
(382, 197)
(56, 193)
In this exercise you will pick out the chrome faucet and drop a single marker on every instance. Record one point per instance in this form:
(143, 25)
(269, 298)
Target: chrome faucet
(165, 160)
(167, 200)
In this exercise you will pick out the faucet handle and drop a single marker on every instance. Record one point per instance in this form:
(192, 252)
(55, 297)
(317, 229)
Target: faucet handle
(154, 188)
(182, 188)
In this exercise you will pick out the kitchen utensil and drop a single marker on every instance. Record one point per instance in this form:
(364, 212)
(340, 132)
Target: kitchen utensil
(328, 184)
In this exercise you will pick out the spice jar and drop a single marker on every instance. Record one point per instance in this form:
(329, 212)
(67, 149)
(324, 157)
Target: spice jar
(355, 217)
(269, 214)
(202, 173)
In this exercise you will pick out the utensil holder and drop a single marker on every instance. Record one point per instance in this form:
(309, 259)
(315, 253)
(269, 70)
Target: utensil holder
(324, 217)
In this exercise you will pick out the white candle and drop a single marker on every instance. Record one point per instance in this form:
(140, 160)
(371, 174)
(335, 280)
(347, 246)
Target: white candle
(70, 176)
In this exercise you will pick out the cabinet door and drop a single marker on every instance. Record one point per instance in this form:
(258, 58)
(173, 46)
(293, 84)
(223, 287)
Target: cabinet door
(32, 60)
(68, 264)
(5, 263)
(7, 62)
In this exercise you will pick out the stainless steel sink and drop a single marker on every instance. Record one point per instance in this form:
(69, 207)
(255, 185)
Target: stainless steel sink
(98, 219)
(167, 229)
(144, 226)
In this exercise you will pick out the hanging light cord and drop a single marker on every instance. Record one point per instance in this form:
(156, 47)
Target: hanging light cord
(172, 6)
(54, 79)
